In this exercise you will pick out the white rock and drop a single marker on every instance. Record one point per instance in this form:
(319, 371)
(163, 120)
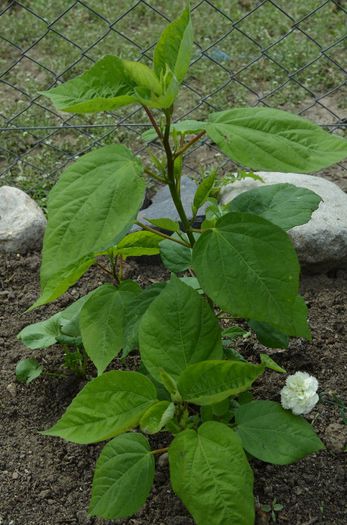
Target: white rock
(22, 222)
(321, 243)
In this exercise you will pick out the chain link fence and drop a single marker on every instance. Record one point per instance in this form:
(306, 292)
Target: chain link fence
(289, 55)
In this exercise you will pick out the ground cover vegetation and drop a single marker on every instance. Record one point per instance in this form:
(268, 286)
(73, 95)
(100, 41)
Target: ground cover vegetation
(64, 49)
(241, 263)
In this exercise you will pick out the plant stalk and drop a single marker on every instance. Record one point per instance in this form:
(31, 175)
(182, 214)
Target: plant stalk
(152, 230)
(189, 144)
(175, 194)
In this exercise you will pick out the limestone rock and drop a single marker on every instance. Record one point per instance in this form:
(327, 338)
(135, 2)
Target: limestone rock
(321, 244)
(163, 207)
(22, 222)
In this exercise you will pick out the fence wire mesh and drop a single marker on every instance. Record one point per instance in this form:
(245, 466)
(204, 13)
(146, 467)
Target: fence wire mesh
(289, 55)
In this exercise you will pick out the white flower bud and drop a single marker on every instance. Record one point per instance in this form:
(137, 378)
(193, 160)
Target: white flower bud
(300, 393)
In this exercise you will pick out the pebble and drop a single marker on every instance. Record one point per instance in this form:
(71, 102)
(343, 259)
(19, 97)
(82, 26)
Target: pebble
(15, 475)
(163, 460)
(336, 437)
(12, 389)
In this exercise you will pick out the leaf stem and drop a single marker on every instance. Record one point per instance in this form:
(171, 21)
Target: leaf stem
(154, 123)
(189, 144)
(152, 230)
(155, 176)
(160, 450)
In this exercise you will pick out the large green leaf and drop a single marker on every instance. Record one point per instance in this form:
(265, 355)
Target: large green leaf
(46, 333)
(248, 266)
(174, 49)
(179, 328)
(89, 209)
(274, 140)
(273, 434)
(102, 324)
(283, 204)
(107, 406)
(210, 382)
(210, 473)
(123, 477)
(109, 84)
(134, 313)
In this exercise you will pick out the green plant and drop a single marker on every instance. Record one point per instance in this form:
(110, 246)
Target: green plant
(242, 263)
(272, 509)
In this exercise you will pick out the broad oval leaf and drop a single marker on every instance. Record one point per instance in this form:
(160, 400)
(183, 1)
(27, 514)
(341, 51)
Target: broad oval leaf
(210, 473)
(156, 417)
(273, 434)
(179, 328)
(102, 324)
(89, 210)
(274, 140)
(107, 406)
(210, 382)
(283, 204)
(123, 477)
(248, 266)
(107, 85)
(174, 48)
(269, 336)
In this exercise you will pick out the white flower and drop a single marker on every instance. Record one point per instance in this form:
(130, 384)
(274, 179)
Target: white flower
(300, 393)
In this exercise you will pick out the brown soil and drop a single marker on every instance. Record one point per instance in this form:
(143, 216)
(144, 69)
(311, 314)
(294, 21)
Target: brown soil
(46, 481)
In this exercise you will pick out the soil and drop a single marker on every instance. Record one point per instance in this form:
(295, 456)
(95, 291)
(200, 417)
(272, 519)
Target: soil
(46, 481)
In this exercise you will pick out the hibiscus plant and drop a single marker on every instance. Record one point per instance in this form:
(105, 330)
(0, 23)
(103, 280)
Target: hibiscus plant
(190, 386)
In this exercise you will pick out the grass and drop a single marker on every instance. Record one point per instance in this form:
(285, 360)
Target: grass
(227, 70)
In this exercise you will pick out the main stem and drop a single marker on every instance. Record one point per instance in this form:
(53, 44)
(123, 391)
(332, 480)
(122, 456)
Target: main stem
(173, 184)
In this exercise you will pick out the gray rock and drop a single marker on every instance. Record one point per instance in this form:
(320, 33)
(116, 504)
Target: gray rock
(321, 244)
(22, 222)
(163, 207)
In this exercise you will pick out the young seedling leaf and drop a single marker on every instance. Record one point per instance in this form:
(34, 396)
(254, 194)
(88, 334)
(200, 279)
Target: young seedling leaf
(269, 336)
(27, 370)
(134, 313)
(108, 85)
(102, 324)
(203, 191)
(183, 127)
(268, 362)
(210, 473)
(275, 435)
(106, 407)
(138, 243)
(260, 280)
(87, 212)
(165, 224)
(175, 257)
(123, 477)
(210, 382)
(156, 417)
(174, 49)
(274, 140)
(46, 333)
(283, 204)
(179, 328)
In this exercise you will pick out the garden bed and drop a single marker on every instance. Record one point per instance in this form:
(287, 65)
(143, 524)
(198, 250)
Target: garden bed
(46, 481)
